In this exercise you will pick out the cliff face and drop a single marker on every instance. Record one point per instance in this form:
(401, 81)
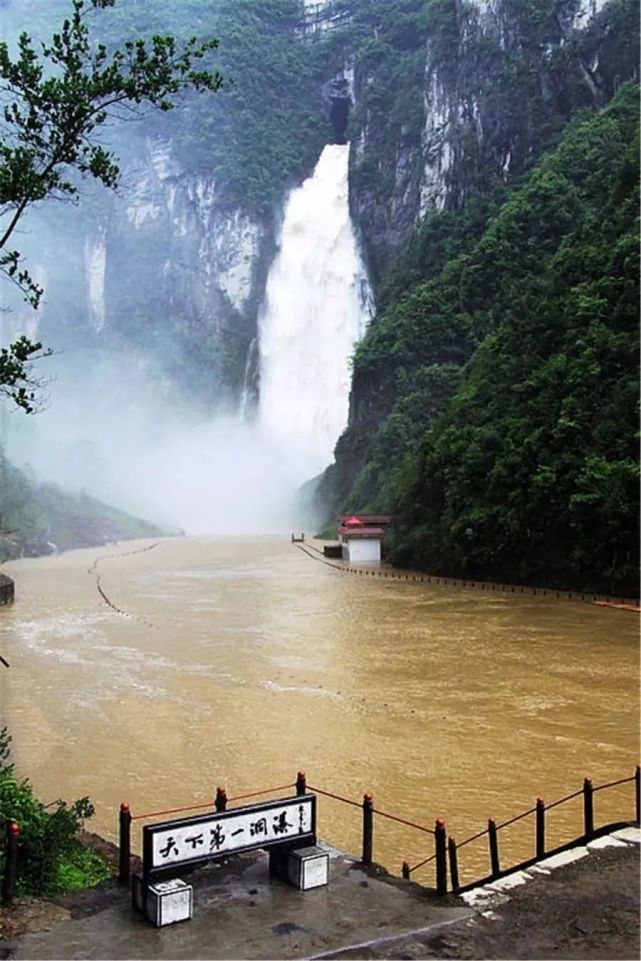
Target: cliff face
(454, 101)
(172, 268)
(499, 230)
(454, 96)
(164, 268)
(178, 263)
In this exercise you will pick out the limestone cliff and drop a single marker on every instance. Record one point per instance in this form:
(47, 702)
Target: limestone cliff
(453, 96)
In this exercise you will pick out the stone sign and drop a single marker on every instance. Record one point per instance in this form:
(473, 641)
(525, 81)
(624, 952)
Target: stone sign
(193, 840)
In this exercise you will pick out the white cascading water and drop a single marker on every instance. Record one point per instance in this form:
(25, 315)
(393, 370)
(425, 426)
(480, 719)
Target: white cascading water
(317, 306)
(229, 475)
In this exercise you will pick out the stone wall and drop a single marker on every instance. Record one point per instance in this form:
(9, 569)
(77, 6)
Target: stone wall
(7, 590)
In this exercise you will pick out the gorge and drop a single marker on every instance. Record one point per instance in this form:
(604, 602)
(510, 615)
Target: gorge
(391, 268)
(165, 288)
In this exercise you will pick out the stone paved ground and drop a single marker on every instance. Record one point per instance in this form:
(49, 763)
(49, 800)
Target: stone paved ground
(239, 912)
(587, 908)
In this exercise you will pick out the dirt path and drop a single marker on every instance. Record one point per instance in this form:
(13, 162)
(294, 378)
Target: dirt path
(586, 910)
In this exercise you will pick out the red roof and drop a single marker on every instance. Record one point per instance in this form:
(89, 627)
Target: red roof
(353, 522)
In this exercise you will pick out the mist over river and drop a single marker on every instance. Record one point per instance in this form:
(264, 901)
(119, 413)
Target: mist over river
(244, 660)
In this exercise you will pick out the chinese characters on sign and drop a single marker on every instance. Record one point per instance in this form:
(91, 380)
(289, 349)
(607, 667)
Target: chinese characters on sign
(229, 832)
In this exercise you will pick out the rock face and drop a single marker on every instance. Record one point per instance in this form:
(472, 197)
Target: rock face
(471, 100)
(162, 267)
(206, 275)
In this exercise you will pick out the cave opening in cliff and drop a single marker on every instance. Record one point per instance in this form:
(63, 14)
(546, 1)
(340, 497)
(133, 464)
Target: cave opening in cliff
(339, 115)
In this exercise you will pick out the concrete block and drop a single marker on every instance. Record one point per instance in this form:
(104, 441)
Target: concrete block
(632, 835)
(169, 901)
(511, 881)
(607, 841)
(308, 868)
(565, 857)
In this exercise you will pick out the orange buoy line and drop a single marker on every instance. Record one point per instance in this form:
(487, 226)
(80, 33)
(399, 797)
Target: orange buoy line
(624, 604)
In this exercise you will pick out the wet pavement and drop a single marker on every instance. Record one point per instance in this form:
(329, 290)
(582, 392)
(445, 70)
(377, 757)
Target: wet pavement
(240, 912)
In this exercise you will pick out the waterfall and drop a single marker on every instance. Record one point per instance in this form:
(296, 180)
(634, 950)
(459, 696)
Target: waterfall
(247, 393)
(316, 308)
(235, 473)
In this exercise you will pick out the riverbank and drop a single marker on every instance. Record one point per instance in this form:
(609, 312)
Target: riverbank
(42, 518)
(586, 909)
(391, 572)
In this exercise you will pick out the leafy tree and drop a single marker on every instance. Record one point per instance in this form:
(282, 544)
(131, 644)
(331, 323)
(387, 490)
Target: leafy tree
(54, 102)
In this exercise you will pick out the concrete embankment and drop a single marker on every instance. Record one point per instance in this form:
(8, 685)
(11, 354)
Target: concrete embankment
(7, 590)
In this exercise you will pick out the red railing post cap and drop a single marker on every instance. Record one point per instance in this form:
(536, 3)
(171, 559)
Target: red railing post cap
(440, 823)
(368, 798)
(124, 806)
(301, 774)
(221, 790)
(540, 801)
(14, 828)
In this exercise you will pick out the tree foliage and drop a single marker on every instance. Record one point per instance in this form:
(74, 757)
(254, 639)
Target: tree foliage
(54, 102)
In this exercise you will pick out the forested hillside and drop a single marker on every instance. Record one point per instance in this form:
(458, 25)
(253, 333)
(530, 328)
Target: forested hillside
(508, 380)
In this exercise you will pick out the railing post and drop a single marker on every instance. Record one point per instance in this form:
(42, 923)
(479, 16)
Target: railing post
(405, 870)
(493, 838)
(637, 790)
(588, 807)
(440, 842)
(221, 799)
(368, 828)
(125, 843)
(10, 864)
(540, 828)
(301, 784)
(451, 848)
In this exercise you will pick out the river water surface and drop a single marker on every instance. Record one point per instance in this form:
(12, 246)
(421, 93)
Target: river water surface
(239, 662)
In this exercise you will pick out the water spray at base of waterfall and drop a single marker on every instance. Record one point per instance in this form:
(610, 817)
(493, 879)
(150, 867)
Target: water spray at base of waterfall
(113, 431)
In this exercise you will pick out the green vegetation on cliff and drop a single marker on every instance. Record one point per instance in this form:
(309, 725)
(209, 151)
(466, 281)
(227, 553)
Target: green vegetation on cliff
(266, 129)
(494, 406)
(495, 83)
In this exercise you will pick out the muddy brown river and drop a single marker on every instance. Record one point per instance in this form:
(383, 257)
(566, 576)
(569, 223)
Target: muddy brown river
(240, 661)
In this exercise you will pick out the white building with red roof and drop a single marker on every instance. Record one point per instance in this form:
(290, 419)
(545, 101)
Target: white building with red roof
(360, 540)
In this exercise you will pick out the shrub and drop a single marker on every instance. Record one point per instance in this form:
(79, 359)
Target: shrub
(51, 857)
